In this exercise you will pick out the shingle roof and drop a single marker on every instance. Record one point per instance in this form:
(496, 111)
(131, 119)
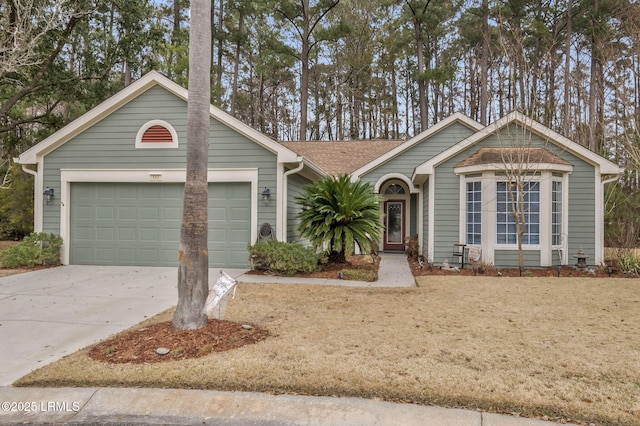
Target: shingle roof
(341, 157)
(512, 155)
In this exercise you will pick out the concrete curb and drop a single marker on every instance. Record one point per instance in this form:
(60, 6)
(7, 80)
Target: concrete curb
(73, 406)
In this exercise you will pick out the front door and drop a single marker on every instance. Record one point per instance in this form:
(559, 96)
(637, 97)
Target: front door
(394, 225)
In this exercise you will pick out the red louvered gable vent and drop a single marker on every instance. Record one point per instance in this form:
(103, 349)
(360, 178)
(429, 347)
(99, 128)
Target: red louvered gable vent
(157, 134)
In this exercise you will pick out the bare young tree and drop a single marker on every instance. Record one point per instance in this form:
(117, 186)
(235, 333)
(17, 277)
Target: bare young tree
(193, 267)
(23, 26)
(520, 162)
(519, 157)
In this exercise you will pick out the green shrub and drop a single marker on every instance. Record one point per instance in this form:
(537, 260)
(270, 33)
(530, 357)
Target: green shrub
(283, 258)
(38, 248)
(629, 261)
(336, 214)
(16, 204)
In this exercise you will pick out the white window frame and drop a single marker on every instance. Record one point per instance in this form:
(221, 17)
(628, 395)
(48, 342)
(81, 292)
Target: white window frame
(489, 179)
(509, 213)
(467, 212)
(557, 201)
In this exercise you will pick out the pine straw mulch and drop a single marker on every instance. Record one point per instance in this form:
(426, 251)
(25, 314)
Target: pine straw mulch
(139, 346)
(330, 270)
(493, 271)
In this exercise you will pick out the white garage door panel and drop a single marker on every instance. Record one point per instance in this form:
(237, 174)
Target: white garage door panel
(139, 224)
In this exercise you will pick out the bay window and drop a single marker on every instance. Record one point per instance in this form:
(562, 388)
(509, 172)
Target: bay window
(489, 195)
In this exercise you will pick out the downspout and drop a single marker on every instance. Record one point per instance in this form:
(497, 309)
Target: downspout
(285, 195)
(36, 192)
(27, 170)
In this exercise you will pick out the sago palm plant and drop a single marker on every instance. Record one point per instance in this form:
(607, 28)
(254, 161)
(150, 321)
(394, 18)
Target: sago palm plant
(338, 213)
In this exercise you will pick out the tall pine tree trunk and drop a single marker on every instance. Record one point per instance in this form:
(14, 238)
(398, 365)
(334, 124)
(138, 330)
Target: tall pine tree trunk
(193, 266)
(594, 85)
(566, 125)
(422, 90)
(418, 13)
(484, 64)
(236, 65)
(304, 74)
(220, 50)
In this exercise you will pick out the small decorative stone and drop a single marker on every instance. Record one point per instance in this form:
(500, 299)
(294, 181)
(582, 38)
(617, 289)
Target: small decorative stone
(247, 327)
(162, 351)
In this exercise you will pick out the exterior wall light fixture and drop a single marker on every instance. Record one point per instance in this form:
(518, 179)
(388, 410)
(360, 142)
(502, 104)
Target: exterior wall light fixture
(48, 194)
(266, 195)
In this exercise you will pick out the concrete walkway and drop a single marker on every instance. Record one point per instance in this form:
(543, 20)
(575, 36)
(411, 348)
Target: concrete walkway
(393, 271)
(47, 314)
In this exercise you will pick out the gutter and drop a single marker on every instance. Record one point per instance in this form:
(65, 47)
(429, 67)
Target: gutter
(611, 179)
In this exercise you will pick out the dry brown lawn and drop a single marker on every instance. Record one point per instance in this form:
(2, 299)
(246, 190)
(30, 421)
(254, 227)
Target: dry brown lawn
(566, 348)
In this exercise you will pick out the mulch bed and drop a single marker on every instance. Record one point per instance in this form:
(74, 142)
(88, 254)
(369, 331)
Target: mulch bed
(565, 271)
(330, 270)
(139, 346)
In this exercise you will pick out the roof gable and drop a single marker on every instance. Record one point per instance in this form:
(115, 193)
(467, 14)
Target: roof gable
(606, 166)
(130, 93)
(455, 118)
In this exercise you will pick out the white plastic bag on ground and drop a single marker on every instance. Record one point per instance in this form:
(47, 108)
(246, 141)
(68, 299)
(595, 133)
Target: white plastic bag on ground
(219, 295)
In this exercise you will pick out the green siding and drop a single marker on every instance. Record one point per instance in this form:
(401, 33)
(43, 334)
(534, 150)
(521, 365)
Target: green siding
(110, 144)
(582, 210)
(413, 218)
(295, 188)
(510, 258)
(447, 213)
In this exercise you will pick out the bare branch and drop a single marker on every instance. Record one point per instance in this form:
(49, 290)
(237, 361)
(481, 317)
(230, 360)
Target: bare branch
(24, 24)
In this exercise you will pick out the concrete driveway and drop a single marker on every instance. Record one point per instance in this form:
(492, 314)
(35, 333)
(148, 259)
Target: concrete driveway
(50, 313)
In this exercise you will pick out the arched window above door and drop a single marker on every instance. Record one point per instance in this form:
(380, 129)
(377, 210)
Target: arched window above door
(395, 188)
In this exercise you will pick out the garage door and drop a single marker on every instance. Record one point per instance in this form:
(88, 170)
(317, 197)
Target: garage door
(139, 224)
